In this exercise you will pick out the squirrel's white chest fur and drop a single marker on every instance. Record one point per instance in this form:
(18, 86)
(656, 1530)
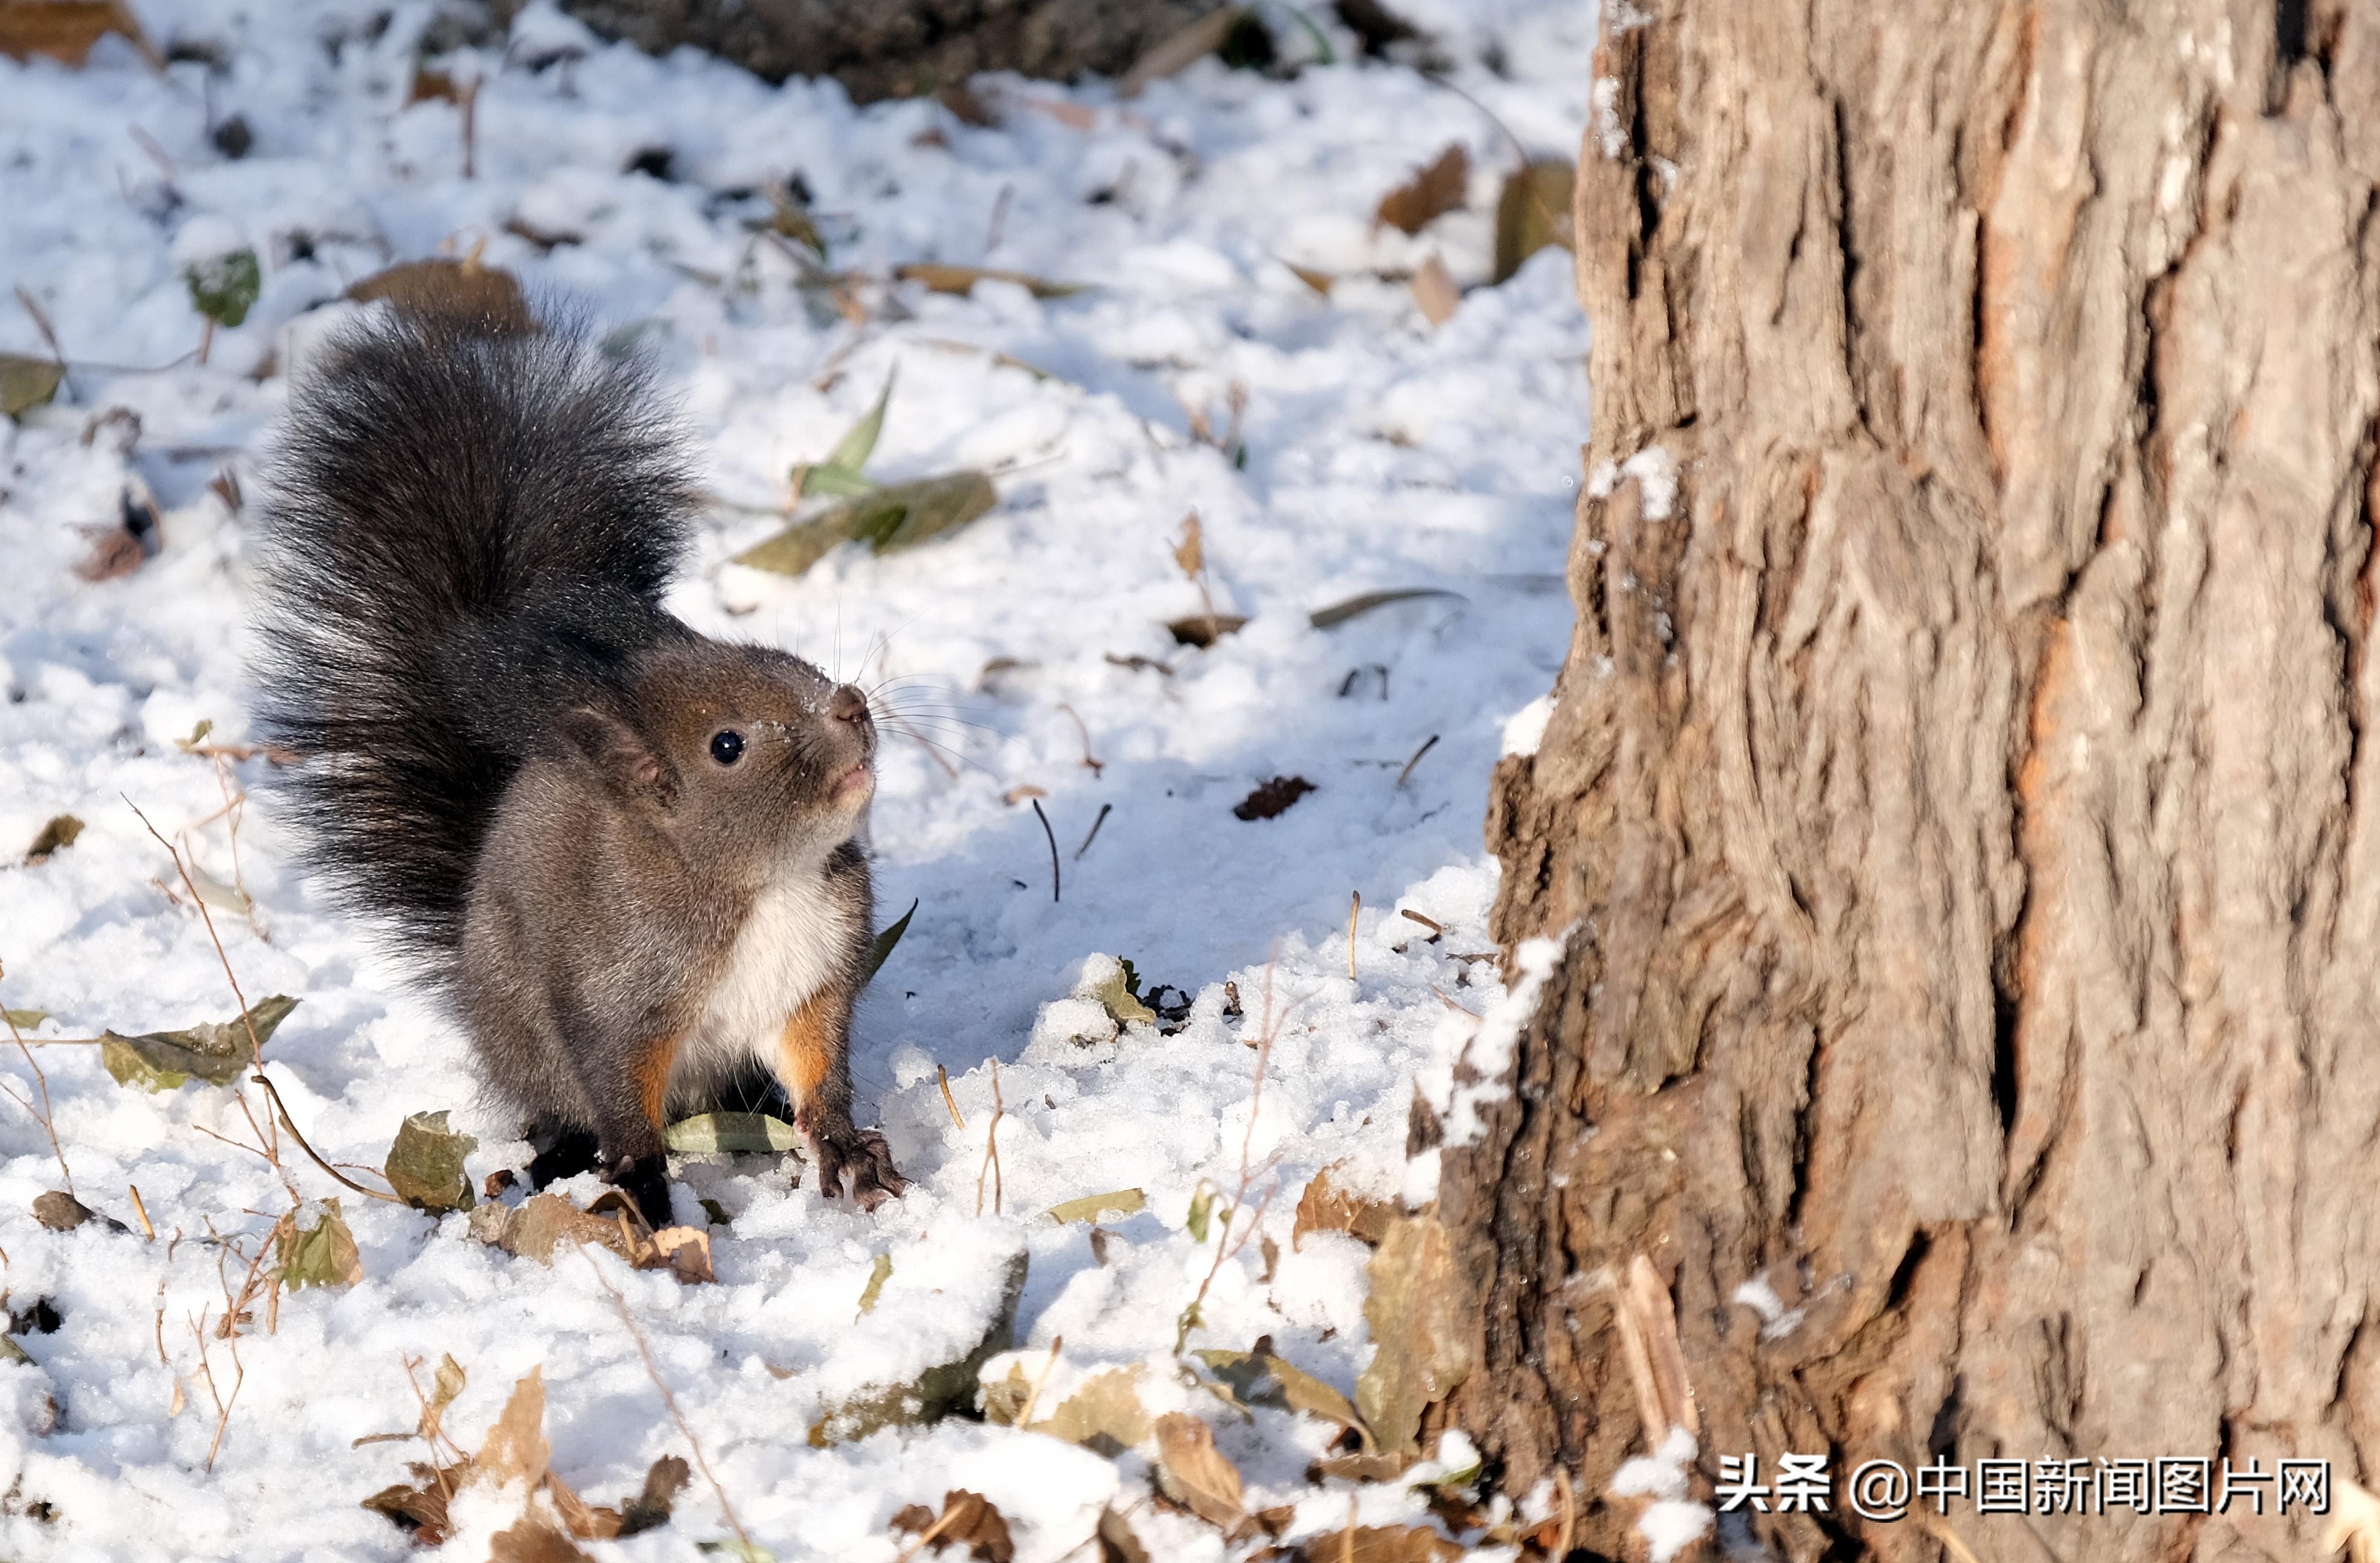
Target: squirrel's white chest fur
(791, 945)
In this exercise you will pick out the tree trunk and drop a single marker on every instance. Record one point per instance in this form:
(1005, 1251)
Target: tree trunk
(898, 48)
(1954, 822)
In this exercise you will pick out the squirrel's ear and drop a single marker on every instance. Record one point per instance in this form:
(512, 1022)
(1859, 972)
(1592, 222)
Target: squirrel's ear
(625, 762)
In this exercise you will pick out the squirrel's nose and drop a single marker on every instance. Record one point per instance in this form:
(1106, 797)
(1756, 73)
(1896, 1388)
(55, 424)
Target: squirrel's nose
(847, 704)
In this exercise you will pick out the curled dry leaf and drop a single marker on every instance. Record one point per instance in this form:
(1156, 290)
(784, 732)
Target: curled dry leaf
(968, 1519)
(1429, 194)
(214, 1051)
(724, 1133)
(425, 1164)
(1260, 1379)
(1415, 1313)
(1325, 1206)
(894, 517)
(545, 1223)
(1194, 1474)
(319, 1254)
(1269, 799)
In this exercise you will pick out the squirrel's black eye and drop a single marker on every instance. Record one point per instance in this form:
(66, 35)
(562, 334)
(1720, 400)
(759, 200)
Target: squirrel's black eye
(727, 745)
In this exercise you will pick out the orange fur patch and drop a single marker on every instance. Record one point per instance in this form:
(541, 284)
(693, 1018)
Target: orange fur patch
(652, 1077)
(807, 1046)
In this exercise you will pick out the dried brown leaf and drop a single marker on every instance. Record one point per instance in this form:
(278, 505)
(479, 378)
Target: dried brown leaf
(968, 1519)
(1270, 798)
(516, 1450)
(1434, 290)
(1381, 1543)
(664, 1479)
(1429, 194)
(67, 30)
(586, 1521)
(1325, 1206)
(321, 1254)
(1414, 1310)
(1193, 1472)
(1190, 554)
(533, 1539)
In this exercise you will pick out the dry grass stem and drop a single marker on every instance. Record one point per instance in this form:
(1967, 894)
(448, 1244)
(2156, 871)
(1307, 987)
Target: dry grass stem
(223, 1405)
(991, 1147)
(267, 1134)
(1226, 1244)
(41, 1084)
(1093, 834)
(652, 1370)
(1427, 744)
(926, 1537)
(942, 1077)
(1354, 910)
(1093, 765)
(1033, 1396)
(1054, 847)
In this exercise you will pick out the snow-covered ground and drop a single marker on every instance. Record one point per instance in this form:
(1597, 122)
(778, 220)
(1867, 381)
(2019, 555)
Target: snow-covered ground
(1379, 454)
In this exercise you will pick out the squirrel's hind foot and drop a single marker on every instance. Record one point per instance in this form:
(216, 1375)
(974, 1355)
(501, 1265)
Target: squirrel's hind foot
(862, 1154)
(560, 1151)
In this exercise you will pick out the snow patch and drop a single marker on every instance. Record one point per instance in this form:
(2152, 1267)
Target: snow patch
(1525, 728)
(1656, 471)
(1486, 1058)
(1775, 1319)
(1671, 1521)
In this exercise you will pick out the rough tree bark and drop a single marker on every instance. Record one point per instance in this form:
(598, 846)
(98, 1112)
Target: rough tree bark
(1956, 815)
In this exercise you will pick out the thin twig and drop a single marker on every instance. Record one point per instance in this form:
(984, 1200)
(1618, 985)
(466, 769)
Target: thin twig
(1354, 909)
(1435, 926)
(950, 1512)
(1104, 809)
(1225, 1245)
(291, 1124)
(653, 1371)
(1430, 743)
(991, 1147)
(1054, 847)
(41, 1083)
(1084, 728)
(148, 1229)
(1033, 1396)
(944, 1076)
(49, 335)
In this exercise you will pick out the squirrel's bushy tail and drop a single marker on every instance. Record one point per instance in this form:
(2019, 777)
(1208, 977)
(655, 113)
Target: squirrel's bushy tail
(464, 531)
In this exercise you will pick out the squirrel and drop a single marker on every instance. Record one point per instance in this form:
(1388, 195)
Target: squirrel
(629, 856)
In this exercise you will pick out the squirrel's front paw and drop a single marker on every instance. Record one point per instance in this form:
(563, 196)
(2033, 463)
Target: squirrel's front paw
(644, 1179)
(862, 1154)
